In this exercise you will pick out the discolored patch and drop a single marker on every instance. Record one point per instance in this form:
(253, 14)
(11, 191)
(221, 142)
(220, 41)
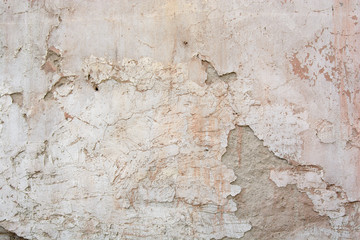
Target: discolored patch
(274, 213)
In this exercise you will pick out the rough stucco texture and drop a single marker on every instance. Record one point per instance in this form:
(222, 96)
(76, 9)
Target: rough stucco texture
(180, 119)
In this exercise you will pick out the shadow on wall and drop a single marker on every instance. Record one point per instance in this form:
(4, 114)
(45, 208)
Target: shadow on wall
(6, 235)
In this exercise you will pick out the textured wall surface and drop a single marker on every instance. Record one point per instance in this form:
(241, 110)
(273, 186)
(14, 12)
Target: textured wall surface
(180, 119)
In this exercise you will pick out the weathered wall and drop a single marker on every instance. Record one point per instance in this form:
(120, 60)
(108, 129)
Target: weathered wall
(6, 235)
(180, 119)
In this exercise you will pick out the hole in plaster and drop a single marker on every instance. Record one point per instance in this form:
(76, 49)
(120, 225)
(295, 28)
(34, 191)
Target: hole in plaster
(17, 98)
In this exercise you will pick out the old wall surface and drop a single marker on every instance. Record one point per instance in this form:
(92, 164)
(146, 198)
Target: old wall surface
(180, 119)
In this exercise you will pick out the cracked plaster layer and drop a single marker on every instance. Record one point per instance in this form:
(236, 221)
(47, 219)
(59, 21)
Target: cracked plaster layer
(114, 120)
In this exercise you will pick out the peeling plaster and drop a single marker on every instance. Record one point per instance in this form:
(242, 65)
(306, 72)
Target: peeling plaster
(120, 118)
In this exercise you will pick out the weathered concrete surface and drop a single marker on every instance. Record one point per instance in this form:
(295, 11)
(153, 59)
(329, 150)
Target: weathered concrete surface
(274, 213)
(115, 117)
(285, 212)
(6, 235)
